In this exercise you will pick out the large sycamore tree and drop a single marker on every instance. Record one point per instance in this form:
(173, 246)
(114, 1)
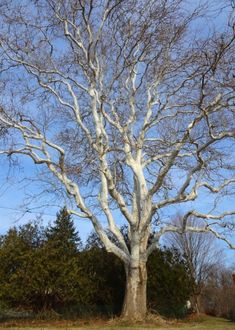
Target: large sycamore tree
(130, 106)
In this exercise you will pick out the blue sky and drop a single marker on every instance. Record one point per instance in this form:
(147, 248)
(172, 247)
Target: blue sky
(14, 189)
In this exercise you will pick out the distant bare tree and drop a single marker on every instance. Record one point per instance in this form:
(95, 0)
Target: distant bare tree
(129, 108)
(201, 253)
(218, 296)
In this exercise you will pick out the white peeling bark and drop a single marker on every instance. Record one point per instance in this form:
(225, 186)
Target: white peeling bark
(135, 301)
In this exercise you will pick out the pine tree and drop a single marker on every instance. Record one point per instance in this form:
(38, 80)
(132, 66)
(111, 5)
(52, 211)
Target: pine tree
(169, 283)
(61, 252)
(63, 234)
(40, 268)
(20, 280)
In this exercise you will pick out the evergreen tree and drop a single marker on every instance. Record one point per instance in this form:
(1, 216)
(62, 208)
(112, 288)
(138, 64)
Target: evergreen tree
(169, 283)
(40, 267)
(61, 252)
(106, 274)
(18, 255)
(62, 234)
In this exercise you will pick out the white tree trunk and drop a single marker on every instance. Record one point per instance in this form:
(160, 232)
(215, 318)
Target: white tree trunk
(135, 302)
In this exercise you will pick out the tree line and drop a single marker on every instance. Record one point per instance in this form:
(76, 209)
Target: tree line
(49, 269)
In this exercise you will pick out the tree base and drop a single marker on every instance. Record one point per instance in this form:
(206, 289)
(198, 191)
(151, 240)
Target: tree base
(135, 304)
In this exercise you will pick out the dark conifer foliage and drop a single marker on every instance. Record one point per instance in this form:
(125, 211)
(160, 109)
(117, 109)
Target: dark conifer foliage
(61, 261)
(169, 283)
(63, 234)
(47, 269)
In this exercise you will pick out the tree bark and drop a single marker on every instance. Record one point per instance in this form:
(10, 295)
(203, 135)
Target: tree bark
(135, 301)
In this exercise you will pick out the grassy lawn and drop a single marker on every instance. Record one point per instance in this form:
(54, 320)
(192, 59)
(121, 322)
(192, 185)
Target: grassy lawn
(202, 323)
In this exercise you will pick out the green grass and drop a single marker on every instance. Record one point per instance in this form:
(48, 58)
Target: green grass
(201, 323)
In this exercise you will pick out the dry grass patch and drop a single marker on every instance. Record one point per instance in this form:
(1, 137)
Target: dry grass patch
(152, 322)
